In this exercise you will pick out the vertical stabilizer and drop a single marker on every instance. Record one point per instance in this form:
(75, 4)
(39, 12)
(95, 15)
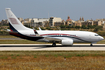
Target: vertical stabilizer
(14, 22)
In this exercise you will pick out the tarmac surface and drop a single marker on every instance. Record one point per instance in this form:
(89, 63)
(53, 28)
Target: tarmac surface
(48, 47)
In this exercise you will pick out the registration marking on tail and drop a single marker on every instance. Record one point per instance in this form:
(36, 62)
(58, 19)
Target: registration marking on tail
(13, 21)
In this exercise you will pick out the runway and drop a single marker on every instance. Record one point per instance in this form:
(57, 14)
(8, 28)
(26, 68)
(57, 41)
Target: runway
(48, 47)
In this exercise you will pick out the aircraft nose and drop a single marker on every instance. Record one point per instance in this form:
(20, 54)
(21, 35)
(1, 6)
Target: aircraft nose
(101, 38)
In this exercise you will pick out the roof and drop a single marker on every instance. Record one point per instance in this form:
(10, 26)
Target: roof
(68, 19)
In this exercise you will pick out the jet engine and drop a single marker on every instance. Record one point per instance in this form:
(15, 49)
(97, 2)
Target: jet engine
(67, 42)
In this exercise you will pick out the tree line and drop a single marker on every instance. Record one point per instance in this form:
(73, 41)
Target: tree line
(95, 28)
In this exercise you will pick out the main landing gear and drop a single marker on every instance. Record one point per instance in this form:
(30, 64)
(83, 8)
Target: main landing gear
(91, 44)
(54, 44)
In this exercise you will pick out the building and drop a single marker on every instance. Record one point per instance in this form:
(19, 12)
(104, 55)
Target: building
(54, 21)
(37, 22)
(46, 23)
(28, 20)
(81, 19)
(104, 26)
(100, 19)
(4, 22)
(68, 21)
(98, 23)
(21, 20)
(77, 23)
(59, 23)
(86, 23)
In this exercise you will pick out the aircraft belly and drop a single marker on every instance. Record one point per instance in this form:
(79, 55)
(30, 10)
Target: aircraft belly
(74, 39)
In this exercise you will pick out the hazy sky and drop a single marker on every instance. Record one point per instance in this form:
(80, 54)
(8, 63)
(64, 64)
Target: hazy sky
(88, 9)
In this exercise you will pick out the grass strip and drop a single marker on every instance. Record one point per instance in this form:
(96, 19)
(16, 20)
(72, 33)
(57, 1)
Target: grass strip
(52, 60)
(52, 53)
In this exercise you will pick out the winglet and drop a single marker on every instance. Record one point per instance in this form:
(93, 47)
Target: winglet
(40, 29)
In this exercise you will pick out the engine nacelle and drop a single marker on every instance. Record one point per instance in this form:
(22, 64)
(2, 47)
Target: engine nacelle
(67, 42)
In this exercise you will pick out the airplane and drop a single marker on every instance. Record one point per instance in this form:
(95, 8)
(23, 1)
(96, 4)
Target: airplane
(52, 36)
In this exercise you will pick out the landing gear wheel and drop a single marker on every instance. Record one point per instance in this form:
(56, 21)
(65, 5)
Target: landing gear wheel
(54, 44)
(91, 44)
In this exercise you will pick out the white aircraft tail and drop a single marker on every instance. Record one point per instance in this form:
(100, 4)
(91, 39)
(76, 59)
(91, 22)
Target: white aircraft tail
(15, 24)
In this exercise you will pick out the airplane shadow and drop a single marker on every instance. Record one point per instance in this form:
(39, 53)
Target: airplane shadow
(50, 46)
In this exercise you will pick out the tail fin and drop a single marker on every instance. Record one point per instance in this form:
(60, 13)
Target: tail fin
(14, 22)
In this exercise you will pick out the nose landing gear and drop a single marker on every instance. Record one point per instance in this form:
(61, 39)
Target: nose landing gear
(93, 43)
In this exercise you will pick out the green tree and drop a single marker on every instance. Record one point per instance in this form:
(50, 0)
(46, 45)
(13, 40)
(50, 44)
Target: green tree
(84, 27)
(98, 28)
(48, 28)
(77, 27)
(42, 28)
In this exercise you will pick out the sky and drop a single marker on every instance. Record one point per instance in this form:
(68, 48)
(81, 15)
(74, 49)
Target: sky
(89, 9)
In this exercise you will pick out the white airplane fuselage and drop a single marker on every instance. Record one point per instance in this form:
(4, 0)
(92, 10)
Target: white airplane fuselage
(77, 36)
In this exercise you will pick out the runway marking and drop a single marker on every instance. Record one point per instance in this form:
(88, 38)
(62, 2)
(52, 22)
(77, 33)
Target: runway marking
(48, 47)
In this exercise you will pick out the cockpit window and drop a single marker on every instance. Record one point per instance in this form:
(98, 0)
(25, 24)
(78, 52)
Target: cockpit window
(96, 35)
